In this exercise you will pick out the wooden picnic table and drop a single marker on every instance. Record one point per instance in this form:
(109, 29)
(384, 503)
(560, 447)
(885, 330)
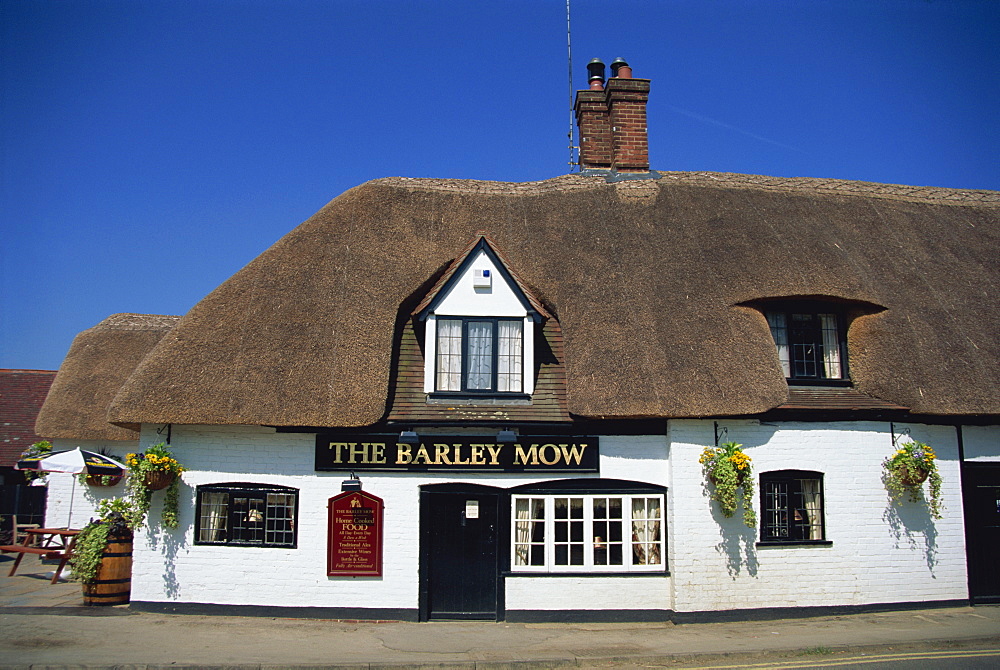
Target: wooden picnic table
(46, 542)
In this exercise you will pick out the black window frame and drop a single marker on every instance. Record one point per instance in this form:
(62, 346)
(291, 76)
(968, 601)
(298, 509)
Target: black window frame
(814, 310)
(790, 533)
(248, 490)
(465, 391)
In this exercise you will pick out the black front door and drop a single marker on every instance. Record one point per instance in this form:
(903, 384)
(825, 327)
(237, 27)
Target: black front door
(981, 482)
(459, 573)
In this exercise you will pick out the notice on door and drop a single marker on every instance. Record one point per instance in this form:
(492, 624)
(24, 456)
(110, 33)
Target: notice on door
(354, 535)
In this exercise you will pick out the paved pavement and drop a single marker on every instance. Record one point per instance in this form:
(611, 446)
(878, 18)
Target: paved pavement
(45, 625)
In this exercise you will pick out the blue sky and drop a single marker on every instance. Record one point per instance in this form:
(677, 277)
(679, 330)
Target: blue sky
(152, 148)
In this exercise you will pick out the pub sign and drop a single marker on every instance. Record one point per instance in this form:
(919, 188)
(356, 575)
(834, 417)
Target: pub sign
(354, 535)
(465, 453)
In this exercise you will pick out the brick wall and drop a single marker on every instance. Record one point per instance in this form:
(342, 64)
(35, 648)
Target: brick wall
(880, 552)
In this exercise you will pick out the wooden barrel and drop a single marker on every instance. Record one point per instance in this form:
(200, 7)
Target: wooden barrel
(113, 585)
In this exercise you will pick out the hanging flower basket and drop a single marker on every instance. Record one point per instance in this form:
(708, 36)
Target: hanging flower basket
(149, 471)
(905, 472)
(913, 476)
(158, 479)
(727, 469)
(103, 480)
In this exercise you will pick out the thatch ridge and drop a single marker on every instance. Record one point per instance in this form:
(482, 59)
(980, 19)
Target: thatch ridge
(99, 361)
(648, 280)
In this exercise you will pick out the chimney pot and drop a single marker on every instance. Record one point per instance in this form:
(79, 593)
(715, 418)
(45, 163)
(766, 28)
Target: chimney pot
(595, 74)
(620, 69)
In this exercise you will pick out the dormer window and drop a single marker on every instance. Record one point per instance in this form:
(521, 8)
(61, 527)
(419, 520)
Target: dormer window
(477, 355)
(479, 329)
(811, 343)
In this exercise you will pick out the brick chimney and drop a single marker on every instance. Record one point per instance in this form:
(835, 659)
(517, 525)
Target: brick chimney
(611, 118)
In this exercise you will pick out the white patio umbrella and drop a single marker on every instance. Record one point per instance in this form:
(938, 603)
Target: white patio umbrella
(73, 461)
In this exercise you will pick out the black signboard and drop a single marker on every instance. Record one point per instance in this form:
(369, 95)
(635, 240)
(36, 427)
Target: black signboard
(542, 453)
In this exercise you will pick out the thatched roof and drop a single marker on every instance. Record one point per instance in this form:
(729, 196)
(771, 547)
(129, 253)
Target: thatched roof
(98, 363)
(649, 281)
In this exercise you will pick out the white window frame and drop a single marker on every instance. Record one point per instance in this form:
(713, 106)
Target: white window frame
(527, 355)
(548, 500)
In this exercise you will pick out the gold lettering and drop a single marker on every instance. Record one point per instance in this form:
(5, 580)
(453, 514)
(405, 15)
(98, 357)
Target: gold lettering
(337, 447)
(494, 453)
(476, 457)
(555, 451)
(403, 456)
(422, 453)
(378, 452)
(458, 456)
(441, 454)
(571, 453)
(359, 452)
(521, 456)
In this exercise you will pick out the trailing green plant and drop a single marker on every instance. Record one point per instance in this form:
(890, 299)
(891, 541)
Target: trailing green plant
(141, 466)
(115, 516)
(38, 449)
(906, 471)
(728, 469)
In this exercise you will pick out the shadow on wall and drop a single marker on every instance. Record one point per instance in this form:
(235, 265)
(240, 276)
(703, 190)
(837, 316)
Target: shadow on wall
(911, 525)
(738, 542)
(169, 542)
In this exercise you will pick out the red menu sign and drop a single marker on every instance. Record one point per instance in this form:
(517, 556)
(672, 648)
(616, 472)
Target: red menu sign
(354, 536)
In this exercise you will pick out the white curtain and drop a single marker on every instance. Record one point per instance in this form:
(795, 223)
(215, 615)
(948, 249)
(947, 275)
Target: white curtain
(646, 531)
(214, 514)
(529, 527)
(779, 331)
(509, 357)
(811, 499)
(480, 352)
(831, 346)
(449, 355)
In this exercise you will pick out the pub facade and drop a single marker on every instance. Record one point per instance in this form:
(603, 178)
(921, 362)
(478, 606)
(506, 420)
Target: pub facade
(448, 399)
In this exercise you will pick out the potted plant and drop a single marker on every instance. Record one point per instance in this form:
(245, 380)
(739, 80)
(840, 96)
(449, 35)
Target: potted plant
(908, 469)
(102, 555)
(728, 469)
(153, 470)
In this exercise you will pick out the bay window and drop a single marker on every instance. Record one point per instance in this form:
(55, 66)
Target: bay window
(603, 532)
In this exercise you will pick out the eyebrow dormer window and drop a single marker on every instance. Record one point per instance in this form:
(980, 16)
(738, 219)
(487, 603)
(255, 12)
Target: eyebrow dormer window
(811, 344)
(478, 355)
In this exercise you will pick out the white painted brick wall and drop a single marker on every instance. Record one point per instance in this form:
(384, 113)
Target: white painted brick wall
(168, 566)
(880, 552)
(982, 443)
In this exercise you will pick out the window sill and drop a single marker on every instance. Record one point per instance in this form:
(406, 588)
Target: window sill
(837, 383)
(637, 573)
(796, 543)
(485, 399)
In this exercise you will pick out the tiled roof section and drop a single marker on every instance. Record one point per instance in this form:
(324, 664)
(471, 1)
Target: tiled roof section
(804, 185)
(130, 321)
(833, 398)
(22, 393)
(450, 272)
(548, 403)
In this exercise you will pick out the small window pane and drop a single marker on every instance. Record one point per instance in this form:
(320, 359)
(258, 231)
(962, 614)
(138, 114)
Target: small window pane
(509, 356)
(213, 517)
(480, 356)
(449, 355)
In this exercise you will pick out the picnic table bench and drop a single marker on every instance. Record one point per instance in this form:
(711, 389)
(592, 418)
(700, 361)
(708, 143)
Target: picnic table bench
(50, 543)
